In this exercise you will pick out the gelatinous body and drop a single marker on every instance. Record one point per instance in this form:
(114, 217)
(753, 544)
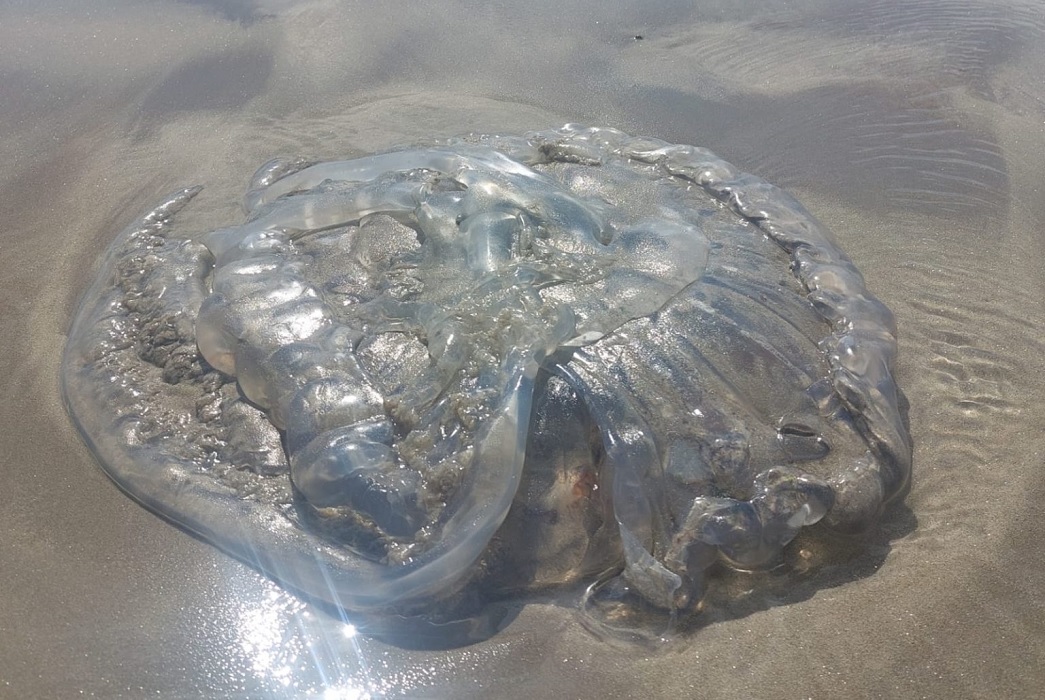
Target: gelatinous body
(510, 362)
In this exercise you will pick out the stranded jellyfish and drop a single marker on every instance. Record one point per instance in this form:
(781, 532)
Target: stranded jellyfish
(495, 364)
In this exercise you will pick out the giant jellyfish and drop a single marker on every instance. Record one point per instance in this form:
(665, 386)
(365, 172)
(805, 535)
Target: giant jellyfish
(495, 363)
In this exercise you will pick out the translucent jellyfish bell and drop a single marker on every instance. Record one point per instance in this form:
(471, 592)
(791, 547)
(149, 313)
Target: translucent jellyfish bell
(417, 382)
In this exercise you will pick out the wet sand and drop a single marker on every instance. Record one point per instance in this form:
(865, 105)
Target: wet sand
(913, 130)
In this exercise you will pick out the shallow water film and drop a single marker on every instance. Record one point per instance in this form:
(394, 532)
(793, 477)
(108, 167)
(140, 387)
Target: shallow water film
(414, 380)
(912, 129)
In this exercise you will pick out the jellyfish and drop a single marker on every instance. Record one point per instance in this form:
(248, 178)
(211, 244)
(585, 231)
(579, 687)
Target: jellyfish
(508, 362)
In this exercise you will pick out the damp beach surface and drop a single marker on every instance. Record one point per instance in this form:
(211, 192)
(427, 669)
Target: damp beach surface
(914, 131)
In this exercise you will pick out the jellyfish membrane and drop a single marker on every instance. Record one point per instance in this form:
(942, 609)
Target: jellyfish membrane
(511, 362)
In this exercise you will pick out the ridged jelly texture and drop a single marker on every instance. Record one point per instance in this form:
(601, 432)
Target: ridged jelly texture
(402, 329)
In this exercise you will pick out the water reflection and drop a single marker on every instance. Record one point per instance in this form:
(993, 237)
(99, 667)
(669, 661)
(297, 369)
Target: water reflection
(290, 647)
(279, 646)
